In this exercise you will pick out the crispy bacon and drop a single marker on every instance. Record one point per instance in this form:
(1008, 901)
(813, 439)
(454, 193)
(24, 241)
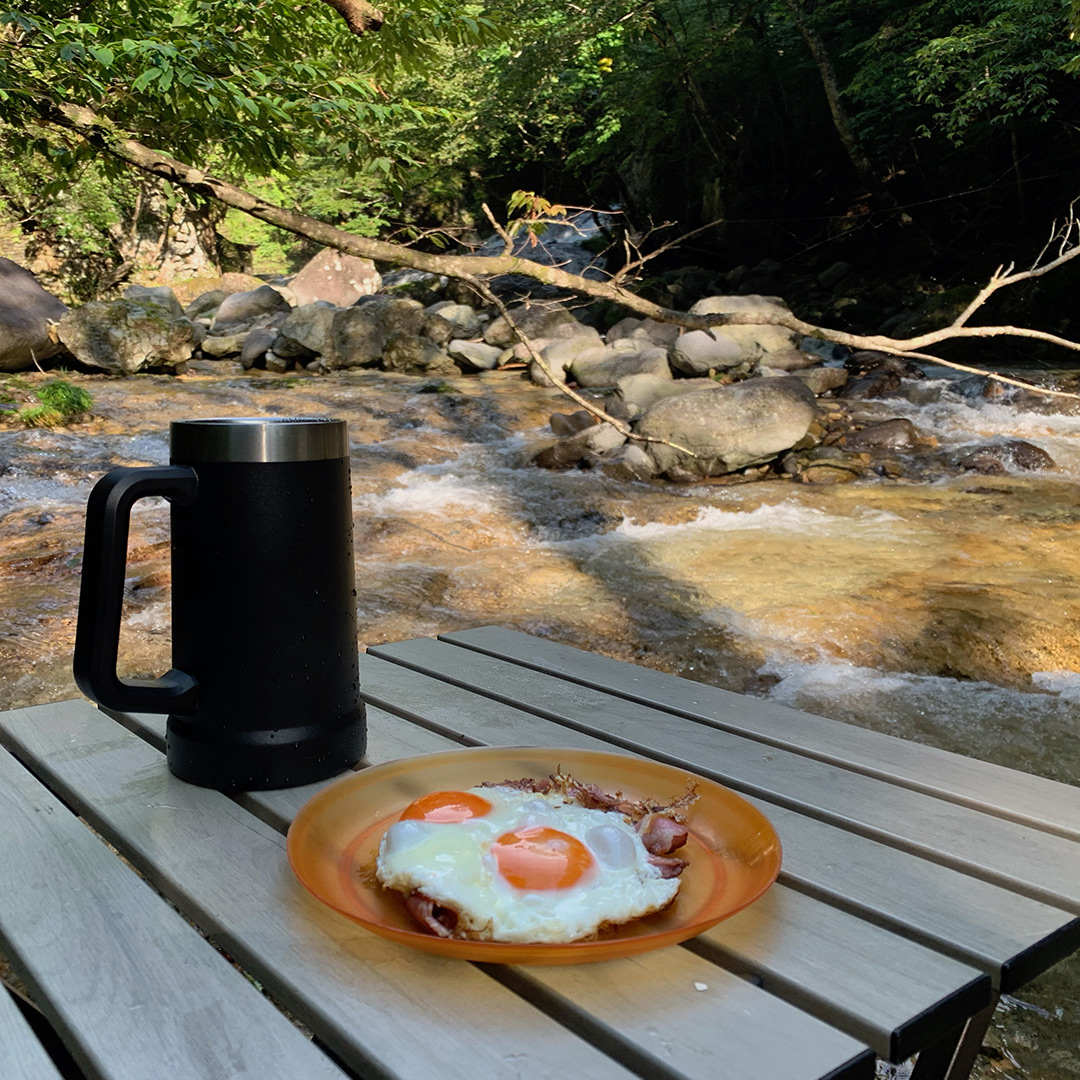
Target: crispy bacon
(669, 865)
(661, 826)
(661, 834)
(595, 798)
(438, 919)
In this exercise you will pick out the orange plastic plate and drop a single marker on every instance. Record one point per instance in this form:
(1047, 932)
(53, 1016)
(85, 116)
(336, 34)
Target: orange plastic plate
(733, 850)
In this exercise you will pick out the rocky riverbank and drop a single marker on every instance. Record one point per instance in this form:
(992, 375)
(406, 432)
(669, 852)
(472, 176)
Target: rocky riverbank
(730, 404)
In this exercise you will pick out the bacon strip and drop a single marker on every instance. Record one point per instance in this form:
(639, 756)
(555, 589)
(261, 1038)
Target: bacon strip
(661, 834)
(668, 865)
(438, 919)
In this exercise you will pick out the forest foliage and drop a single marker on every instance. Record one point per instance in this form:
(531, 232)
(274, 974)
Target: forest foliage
(941, 135)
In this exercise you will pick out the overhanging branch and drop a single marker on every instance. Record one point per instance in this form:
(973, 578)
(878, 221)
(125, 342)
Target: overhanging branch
(103, 134)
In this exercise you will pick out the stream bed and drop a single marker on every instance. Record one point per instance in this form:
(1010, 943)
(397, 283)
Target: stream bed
(944, 611)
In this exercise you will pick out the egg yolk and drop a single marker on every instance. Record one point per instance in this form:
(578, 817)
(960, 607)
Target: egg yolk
(444, 807)
(538, 857)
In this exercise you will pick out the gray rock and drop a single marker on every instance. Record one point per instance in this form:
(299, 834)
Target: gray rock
(753, 341)
(606, 366)
(26, 310)
(628, 462)
(698, 352)
(438, 330)
(1012, 454)
(359, 334)
(536, 319)
(475, 354)
(278, 364)
(833, 275)
(205, 304)
(307, 332)
(218, 346)
(820, 379)
(416, 356)
(161, 295)
(567, 452)
(896, 434)
(561, 353)
(657, 332)
(246, 310)
(256, 345)
(728, 427)
(461, 317)
(571, 423)
(646, 390)
(334, 277)
(124, 336)
(790, 360)
(358, 337)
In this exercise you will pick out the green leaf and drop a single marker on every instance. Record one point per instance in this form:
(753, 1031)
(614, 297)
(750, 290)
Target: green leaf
(145, 79)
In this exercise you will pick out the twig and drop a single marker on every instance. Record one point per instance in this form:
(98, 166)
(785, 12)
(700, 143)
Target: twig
(508, 240)
(980, 371)
(481, 287)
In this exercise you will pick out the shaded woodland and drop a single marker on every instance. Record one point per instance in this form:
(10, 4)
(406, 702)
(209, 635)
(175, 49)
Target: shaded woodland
(905, 150)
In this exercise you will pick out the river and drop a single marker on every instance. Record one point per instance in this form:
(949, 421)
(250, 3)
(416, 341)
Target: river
(944, 610)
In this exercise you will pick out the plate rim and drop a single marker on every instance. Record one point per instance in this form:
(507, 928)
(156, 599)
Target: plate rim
(531, 952)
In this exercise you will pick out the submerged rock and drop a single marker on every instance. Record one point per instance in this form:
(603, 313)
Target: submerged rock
(1005, 456)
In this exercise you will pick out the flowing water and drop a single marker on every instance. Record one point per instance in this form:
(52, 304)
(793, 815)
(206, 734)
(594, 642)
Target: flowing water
(946, 611)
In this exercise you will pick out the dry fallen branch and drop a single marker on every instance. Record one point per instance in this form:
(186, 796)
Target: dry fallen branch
(482, 288)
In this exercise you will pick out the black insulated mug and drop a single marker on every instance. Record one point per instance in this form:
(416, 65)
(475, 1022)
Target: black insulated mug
(264, 691)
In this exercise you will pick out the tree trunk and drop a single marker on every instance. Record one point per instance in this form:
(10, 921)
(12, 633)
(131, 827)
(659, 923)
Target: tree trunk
(858, 159)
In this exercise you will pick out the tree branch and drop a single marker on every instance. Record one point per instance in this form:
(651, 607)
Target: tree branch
(103, 134)
(360, 16)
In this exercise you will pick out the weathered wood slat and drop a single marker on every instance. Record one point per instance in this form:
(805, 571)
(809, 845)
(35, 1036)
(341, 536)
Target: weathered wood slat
(125, 981)
(889, 1004)
(1037, 864)
(1043, 803)
(1013, 939)
(364, 997)
(22, 1055)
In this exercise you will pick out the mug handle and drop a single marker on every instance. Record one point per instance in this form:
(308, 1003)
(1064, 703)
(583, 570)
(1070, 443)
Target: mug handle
(101, 594)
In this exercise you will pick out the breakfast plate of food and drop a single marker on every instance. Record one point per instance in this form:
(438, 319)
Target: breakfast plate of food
(532, 855)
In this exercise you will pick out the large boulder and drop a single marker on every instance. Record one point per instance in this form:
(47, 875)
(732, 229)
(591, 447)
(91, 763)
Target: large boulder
(728, 427)
(307, 332)
(359, 334)
(752, 341)
(607, 365)
(339, 279)
(536, 320)
(698, 352)
(410, 355)
(463, 319)
(161, 295)
(247, 310)
(561, 353)
(125, 336)
(26, 310)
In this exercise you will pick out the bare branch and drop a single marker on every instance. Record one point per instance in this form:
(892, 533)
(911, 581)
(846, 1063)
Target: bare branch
(507, 239)
(104, 135)
(484, 290)
(979, 371)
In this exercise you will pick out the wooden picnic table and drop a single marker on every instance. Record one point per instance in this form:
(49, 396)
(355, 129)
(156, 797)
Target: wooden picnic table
(170, 939)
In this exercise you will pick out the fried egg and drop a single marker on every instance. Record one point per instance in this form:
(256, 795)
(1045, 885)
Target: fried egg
(522, 867)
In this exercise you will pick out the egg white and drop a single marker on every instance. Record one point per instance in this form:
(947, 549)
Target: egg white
(452, 864)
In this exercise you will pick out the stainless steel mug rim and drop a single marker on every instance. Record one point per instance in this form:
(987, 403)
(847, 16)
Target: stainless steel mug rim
(257, 439)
